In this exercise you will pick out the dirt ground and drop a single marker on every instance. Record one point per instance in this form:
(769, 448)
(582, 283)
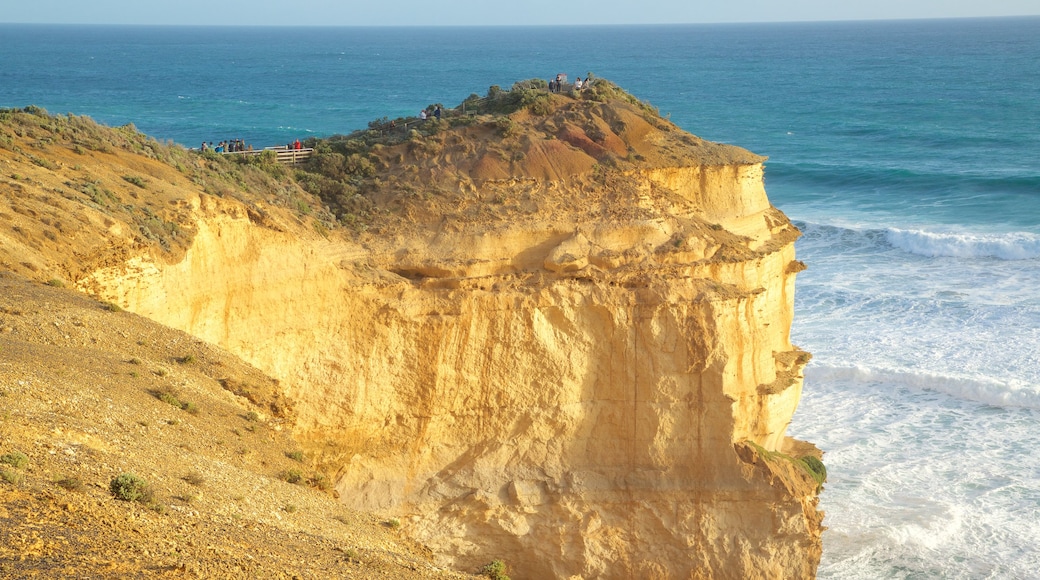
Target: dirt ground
(80, 387)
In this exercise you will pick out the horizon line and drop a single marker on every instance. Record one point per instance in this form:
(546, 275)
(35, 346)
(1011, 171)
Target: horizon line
(582, 25)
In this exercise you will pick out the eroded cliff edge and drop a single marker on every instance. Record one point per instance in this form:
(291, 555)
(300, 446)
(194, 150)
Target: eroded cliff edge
(558, 334)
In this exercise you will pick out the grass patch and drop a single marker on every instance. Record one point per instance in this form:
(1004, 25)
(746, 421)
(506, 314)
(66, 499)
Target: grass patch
(810, 464)
(136, 181)
(111, 307)
(195, 478)
(17, 460)
(173, 399)
(393, 523)
(295, 455)
(10, 476)
(56, 282)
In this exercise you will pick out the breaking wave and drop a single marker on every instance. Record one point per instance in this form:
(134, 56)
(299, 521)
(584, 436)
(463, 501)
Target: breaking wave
(993, 392)
(1008, 246)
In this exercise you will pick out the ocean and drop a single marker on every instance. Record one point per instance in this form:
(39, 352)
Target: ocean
(907, 151)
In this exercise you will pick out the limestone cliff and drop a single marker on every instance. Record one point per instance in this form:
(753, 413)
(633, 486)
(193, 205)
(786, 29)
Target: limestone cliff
(557, 335)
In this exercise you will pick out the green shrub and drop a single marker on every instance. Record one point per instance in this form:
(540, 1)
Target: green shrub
(10, 476)
(129, 487)
(17, 459)
(135, 180)
(495, 569)
(295, 455)
(292, 476)
(171, 398)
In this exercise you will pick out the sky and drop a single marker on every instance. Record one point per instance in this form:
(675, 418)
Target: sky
(493, 12)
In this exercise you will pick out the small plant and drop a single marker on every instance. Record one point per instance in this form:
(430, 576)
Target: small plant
(352, 555)
(111, 307)
(171, 398)
(393, 523)
(134, 361)
(295, 455)
(17, 460)
(290, 508)
(57, 283)
(320, 481)
(495, 569)
(195, 478)
(11, 476)
(186, 359)
(135, 180)
(292, 476)
(252, 416)
(69, 483)
(129, 487)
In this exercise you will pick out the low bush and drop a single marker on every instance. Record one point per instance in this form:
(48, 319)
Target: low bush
(495, 569)
(292, 476)
(10, 476)
(17, 459)
(171, 398)
(129, 487)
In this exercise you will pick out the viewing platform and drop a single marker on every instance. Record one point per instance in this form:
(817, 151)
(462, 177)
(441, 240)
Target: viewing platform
(286, 156)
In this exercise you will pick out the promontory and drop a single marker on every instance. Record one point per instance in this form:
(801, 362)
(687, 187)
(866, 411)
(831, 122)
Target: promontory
(550, 330)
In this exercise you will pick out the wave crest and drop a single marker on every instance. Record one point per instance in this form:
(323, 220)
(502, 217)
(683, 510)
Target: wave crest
(997, 393)
(1009, 246)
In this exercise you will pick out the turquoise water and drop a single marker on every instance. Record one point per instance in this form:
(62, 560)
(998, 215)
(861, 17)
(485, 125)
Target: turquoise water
(906, 151)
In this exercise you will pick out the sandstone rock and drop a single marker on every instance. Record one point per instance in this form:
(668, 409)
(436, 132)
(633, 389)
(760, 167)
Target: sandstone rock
(568, 361)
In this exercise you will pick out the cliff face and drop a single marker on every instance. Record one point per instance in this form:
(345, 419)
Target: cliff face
(582, 372)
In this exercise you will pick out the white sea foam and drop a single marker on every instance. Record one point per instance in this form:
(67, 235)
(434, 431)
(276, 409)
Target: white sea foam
(1007, 246)
(998, 393)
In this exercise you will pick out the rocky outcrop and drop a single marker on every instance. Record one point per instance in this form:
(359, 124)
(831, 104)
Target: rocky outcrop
(574, 362)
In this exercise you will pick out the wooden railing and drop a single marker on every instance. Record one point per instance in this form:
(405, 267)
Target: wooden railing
(285, 155)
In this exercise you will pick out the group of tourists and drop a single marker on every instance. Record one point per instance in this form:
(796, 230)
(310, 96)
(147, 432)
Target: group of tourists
(239, 146)
(556, 85)
(423, 115)
(232, 146)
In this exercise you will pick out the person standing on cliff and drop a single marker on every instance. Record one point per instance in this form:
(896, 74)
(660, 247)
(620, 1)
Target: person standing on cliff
(437, 112)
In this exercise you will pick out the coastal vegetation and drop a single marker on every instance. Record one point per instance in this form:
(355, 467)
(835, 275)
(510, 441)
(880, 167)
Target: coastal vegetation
(335, 188)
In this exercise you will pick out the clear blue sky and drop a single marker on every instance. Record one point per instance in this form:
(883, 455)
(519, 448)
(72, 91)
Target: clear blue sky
(493, 12)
